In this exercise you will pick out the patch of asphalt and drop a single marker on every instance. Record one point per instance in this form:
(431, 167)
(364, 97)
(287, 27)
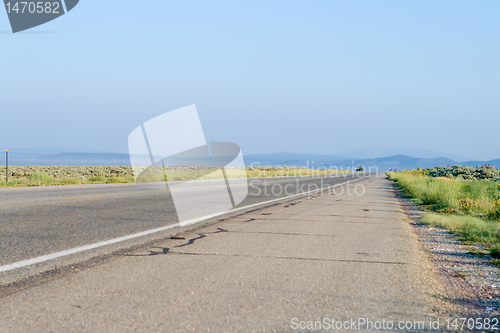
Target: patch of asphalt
(44, 276)
(38, 275)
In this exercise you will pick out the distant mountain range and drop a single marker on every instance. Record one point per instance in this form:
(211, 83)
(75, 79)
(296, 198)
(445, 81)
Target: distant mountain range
(381, 163)
(71, 159)
(279, 159)
(377, 152)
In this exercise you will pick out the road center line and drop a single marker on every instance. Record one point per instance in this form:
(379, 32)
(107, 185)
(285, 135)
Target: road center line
(95, 196)
(64, 253)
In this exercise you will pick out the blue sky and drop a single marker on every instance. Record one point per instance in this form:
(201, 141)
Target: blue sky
(301, 76)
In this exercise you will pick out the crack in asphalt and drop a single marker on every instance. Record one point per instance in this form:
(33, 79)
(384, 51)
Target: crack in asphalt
(290, 258)
(297, 220)
(166, 250)
(279, 233)
(192, 240)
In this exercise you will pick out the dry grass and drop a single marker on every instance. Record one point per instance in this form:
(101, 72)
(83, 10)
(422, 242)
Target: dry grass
(37, 177)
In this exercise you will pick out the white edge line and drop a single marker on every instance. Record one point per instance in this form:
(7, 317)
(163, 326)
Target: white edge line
(64, 253)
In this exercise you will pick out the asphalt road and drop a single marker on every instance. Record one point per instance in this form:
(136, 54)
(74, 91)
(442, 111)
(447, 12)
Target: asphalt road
(324, 259)
(37, 221)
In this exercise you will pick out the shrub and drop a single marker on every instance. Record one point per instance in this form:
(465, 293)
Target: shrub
(40, 178)
(465, 172)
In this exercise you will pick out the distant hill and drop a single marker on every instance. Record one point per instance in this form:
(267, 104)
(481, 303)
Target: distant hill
(287, 158)
(382, 163)
(71, 159)
(332, 161)
(398, 161)
(377, 152)
(86, 159)
(279, 159)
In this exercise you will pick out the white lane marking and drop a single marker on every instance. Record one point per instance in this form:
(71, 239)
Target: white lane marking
(64, 253)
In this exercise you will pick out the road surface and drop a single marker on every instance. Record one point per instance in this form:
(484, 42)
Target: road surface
(326, 260)
(39, 221)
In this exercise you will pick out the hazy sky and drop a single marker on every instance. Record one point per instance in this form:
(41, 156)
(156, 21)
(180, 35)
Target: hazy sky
(303, 76)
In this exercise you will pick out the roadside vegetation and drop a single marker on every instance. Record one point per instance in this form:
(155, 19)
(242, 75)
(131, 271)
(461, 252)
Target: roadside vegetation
(43, 179)
(460, 172)
(464, 200)
(66, 175)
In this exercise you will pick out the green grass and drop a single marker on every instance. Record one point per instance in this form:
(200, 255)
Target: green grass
(475, 198)
(468, 209)
(469, 229)
(42, 179)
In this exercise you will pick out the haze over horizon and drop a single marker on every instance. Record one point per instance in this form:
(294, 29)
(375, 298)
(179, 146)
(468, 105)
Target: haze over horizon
(55, 153)
(307, 77)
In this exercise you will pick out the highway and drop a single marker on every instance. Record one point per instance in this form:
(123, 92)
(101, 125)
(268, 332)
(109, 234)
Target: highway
(37, 221)
(338, 260)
